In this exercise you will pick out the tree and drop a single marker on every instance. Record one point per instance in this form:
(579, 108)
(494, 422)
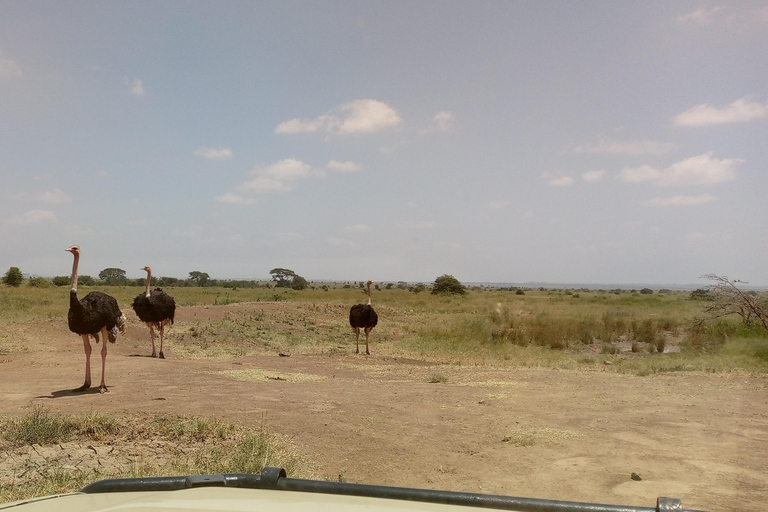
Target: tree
(299, 283)
(112, 276)
(13, 277)
(448, 284)
(283, 277)
(725, 298)
(199, 278)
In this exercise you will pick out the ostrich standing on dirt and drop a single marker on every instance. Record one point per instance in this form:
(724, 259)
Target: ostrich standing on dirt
(363, 316)
(95, 313)
(155, 308)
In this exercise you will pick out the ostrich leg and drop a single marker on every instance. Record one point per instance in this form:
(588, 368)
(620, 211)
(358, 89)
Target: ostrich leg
(152, 334)
(103, 385)
(162, 331)
(87, 348)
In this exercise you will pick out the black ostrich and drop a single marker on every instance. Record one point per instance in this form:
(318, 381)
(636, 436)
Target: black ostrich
(95, 313)
(155, 308)
(362, 316)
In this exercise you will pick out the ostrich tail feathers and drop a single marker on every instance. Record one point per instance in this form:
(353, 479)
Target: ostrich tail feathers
(121, 323)
(119, 327)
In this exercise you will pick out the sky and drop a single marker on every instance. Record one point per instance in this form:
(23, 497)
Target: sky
(495, 141)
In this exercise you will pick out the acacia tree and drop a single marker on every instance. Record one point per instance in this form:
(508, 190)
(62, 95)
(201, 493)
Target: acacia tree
(112, 276)
(283, 277)
(199, 278)
(725, 298)
(13, 277)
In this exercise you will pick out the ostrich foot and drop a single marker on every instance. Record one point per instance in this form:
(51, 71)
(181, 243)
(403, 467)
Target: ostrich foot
(103, 388)
(367, 353)
(161, 355)
(357, 351)
(154, 354)
(85, 386)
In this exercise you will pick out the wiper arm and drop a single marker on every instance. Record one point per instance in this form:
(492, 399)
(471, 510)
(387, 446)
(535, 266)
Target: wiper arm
(275, 478)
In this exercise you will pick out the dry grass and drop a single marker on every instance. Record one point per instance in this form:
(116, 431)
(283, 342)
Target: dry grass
(43, 453)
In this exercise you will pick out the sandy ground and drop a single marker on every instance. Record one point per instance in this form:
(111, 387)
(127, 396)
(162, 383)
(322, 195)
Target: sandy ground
(564, 435)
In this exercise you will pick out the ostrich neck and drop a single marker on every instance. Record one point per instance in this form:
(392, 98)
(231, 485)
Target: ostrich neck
(369, 294)
(149, 275)
(74, 272)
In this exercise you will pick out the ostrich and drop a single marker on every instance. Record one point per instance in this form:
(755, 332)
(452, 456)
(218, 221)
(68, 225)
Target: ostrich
(363, 316)
(95, 313)
(155, 308)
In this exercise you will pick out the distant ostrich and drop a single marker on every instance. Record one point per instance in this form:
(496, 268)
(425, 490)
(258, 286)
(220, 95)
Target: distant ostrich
(156, 309)
(95, 313)
(363, 316)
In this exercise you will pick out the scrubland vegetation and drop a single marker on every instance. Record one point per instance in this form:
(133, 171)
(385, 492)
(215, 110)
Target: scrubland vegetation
(642, 332)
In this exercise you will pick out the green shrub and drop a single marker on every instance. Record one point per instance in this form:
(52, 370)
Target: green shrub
(39, 282)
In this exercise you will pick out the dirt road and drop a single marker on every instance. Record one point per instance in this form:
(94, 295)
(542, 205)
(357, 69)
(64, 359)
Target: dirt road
(565, 435)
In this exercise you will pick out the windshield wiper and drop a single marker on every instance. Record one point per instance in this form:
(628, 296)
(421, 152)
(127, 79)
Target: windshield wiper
(276, 479)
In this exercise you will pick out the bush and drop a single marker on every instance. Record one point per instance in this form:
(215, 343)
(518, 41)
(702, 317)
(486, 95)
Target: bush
(646, 291)
(39, 282)
(13, 277)
(61, 280)
(448, 284)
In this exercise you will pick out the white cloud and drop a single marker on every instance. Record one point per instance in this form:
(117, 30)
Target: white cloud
(214, 153)
(681, 200)
(630, 147)
(442, 122)
(9, 68)
(595, 175)
(700, 16)
(102, 174)
(32, 218)
(55, 196)
(740, 111)
(358, 116)
(497, 205)
(343, 166)
(357, 228)
(561, 181)
(280, 176)
(231, 198)
(694, 171)
(137, 88)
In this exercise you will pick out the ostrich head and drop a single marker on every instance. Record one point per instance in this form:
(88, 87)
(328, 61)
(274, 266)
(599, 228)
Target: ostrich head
(369, 283)
(75, 249)
(147, 269)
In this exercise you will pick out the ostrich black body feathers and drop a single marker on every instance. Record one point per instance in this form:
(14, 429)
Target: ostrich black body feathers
(155, 308)
(362, 316)
(94, 311)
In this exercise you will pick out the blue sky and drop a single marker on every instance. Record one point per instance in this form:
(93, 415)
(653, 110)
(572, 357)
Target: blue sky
(563, 142)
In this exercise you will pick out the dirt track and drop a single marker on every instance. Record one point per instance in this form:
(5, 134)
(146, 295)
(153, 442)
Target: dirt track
(533, 432)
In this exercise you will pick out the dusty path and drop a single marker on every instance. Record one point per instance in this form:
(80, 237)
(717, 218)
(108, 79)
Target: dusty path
(533, 432)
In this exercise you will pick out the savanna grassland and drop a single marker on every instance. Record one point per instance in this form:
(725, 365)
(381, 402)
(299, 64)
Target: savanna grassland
(582, 385)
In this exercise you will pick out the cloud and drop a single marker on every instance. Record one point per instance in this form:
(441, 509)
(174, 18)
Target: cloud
(32, 218)
(137, 88)
(631, 147)
(231, 198)
(55, 196)
(442, 122)
(9, 68)
(334, 165)
(358, 116)
(497, 205)
(214, 153)
(681, 200)
(280, 176)
(595, 175)
(740, 111)
(557, 181)
(694, 171)
(357, 228)
(701, 16)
